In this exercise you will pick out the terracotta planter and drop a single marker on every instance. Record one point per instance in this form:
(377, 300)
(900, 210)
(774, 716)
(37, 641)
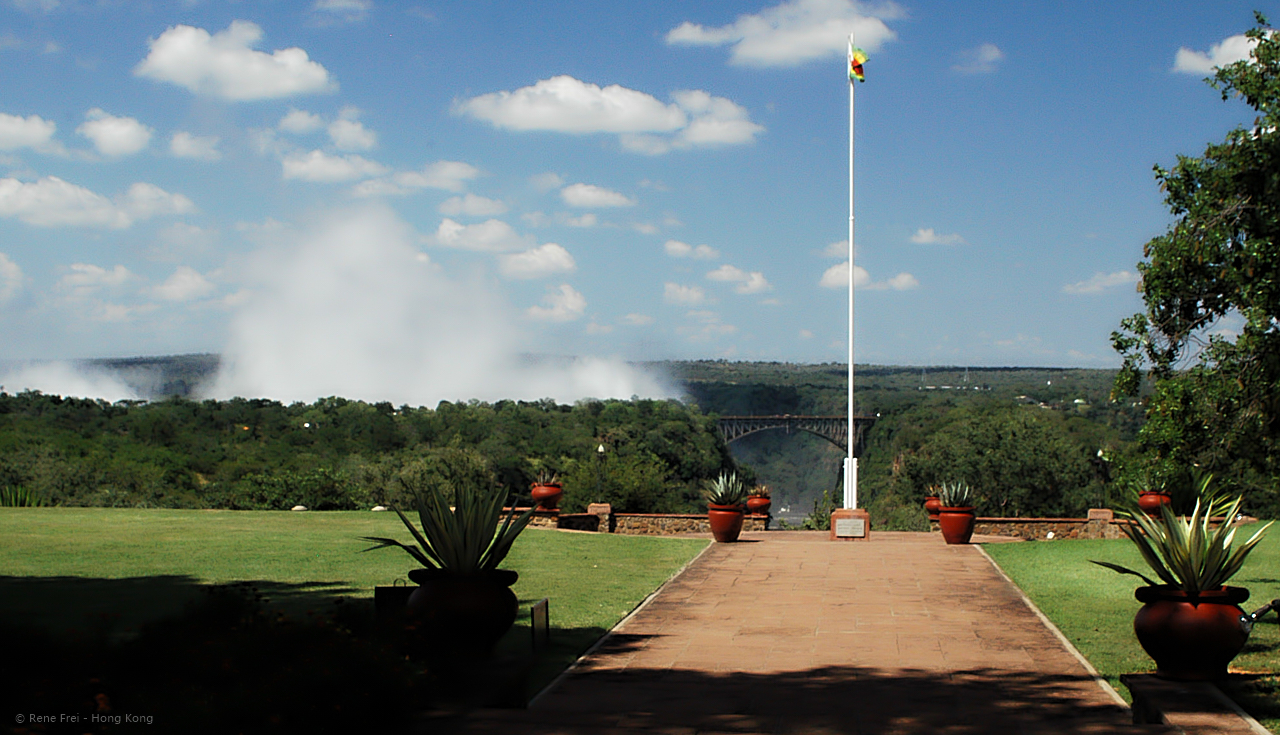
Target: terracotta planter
(956, 524)
(758, 504)
(931, 506)
(1191, 637)
(547, 496)
(1150, 502)
(726, 522)
(456, 614)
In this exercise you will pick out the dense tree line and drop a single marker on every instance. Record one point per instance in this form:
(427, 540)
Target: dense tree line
(343, 454)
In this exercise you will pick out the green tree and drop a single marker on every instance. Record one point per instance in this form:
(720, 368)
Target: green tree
(1209, 336)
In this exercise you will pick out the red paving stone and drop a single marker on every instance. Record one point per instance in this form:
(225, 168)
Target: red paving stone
(787, 632)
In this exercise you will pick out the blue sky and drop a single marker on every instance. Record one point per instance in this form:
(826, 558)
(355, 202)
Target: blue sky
(621, 180)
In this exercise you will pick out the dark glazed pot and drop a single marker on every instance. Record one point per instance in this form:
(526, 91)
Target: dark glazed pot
(931, 506)
(956, 524)
(1150, 503)
(461, 614)
(725, 521)
(547, 496)
(1191, 637)
(758, 504)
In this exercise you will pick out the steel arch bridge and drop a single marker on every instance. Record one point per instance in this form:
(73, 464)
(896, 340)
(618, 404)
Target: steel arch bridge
(834, 429)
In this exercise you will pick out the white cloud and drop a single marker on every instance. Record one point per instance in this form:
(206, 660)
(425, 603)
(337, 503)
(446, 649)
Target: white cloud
(837, 276)
(181, 241)
(589, 195)
(677, 249)
(674, 293)
(586, 220)
(637, 320)
(490, 236)
(1101, 282)
(31, 131)
(805, 334)
(184, 285)
(540, 262)
(447, 175)
(202, 148)
(646, 125)
(748, 283)
(10, 278)
(837, 249)
(980, 60)
(349, 134)
(114, 136)
(300, 122)
(795, 32)
(346, 11)
(562, 304)
(327, 168)
(86, 279)
(1228, 51)
(927, 236)
(594, 328)
(707, 325)
(900, 282)
(225, 64)
(547, 182)
(472, 205)
(52, 202)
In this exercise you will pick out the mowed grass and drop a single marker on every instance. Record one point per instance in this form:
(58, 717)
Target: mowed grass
(68, 568)
(1094, 609)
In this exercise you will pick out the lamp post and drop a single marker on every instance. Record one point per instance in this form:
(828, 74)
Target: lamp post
(599, 473)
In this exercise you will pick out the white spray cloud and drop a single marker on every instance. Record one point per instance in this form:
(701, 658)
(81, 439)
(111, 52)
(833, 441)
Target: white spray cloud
(65, 379)
(353, 309)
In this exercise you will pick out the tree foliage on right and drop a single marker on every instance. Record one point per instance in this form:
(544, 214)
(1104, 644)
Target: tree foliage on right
(1209, 336)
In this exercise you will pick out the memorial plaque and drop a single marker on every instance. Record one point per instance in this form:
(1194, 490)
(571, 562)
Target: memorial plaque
(851, 527)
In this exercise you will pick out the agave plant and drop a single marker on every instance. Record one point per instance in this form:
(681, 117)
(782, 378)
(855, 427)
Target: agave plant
(465, 539)
(546, 477)
(955, 495)
(1189, 553)
(727, 489)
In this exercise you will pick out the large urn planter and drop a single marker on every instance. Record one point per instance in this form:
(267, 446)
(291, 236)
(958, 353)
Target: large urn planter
(956, 524)
(725, 521)
(931, 506)
(1191, 637)
(1150, 502)
(461, 614)
(758, 504)
(546, 495)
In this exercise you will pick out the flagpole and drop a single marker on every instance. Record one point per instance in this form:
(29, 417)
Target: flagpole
(850, 463)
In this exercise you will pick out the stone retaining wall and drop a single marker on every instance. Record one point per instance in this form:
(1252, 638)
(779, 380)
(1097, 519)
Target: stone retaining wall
(1100, 524)
(600, 518)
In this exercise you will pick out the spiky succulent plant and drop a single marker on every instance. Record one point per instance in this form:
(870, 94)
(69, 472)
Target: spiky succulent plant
(727, 489)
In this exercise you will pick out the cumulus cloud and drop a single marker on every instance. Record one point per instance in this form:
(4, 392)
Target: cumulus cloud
(561, 304)
(300, 122)
(927, 236)
(349, 134)
(589, 196)
(837, 249)
(226, 65)
(114, 136)
(586, 220)
(547, 182)
(674, 293)
(490, 236)
(201, 148)
(446, 175)
(747, 283)
(980, 60)
(677, 249)
(637, 320)
(1101, 282)
(539, 262)
(52, 202)
(344, 11)
(472, 205)
(705, 325)
(185, 284)
(1228, 51)
(328, 168)
(31, 131)
(796, 32)
(837, 276)
(646, 125)
(10, 278)
(85, 279)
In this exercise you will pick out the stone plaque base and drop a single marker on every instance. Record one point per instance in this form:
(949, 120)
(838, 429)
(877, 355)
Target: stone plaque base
(850, 524)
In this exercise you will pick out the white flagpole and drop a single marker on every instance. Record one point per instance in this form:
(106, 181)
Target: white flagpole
(850, 463)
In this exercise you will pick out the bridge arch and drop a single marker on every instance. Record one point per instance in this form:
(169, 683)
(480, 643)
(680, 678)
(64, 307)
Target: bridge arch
(834, 429)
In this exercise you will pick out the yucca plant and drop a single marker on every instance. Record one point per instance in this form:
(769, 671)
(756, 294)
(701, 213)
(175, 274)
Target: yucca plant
(955, 495)
(464, 540)
(727, 489)
(1189, 553)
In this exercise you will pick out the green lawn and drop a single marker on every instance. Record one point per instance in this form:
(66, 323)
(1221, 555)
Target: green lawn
(1094, 609)
(67, 568)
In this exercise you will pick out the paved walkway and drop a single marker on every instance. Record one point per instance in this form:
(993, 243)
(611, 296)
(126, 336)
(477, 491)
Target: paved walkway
(791, 633)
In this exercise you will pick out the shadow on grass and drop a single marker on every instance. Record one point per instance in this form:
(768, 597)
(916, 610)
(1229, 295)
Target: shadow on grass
(833, 699)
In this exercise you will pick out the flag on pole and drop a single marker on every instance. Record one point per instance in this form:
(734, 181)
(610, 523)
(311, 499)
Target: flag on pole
(857, 57)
